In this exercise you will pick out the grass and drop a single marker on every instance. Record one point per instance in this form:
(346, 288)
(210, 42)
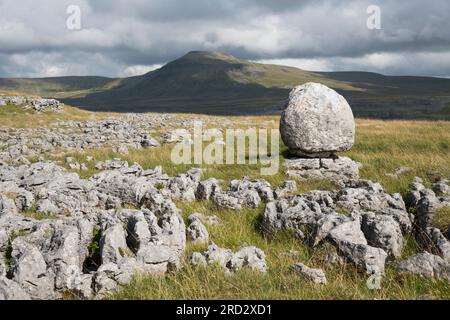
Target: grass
(17, 117)
(381, 147)
(9, 249)
(442, 219)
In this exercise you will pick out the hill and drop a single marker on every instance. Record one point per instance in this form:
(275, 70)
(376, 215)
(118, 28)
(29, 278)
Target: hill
(218, 83)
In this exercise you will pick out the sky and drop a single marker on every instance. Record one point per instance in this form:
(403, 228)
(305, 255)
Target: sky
(119, 38)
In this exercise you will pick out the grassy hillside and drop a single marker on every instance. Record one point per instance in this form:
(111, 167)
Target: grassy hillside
(53, 87)
(218, 83)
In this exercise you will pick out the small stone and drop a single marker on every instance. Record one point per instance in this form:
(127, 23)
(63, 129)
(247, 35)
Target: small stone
(197, 232)
(316, 276)
(426, 265)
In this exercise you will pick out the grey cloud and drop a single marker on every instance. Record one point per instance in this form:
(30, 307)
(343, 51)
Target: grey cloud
(123, 33)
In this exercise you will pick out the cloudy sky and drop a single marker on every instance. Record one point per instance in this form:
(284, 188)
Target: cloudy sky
(129, 37)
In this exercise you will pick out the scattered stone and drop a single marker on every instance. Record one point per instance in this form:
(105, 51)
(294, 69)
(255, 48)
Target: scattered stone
(35, 103)
(426, 265)
(286, 189)
(316, 276)
(197, 232)
(7, 206)
(197, 259)
(10, 290)
(383, 231)
(250, 257)
(442, 188)
(364, 256)
(399, 171)
(211, 220)
(433, 240)
(208, 188)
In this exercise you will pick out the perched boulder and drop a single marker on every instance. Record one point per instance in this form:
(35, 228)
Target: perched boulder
(317, 122)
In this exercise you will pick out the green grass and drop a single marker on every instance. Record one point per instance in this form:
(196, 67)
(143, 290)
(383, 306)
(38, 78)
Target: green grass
(8, 252)
(442, 219)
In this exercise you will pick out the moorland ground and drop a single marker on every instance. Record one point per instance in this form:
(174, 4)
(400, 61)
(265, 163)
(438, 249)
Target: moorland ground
(381, 147)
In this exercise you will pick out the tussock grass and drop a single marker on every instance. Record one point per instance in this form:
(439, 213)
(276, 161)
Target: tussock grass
(442, 219)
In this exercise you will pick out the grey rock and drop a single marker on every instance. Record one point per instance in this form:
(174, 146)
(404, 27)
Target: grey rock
(298, 214)
(215, 254)
(197, 259)
(364, 256)
(103, 283)
(113, 245)
(7, 206)
(10, 290)
(427, 207)
(442, 187)
(228, 201)
(333, 258)
(383, 231)
(333, 169)
(197, 232)
(262, 187)
(413, 196)
(426, 265)
(317, 122)
(316, 276)
(348, 232)
(208, 188)
(24, 200)
(159, 258)
(327, 223)
(46, 206)
(211, 220)
(251, 257)
(286, 189)
(139, 233)
(433, 240)
(29, 270)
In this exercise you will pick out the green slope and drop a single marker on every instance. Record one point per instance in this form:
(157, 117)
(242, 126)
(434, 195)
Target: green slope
(206, 82)
(218, 83)
(54, 87)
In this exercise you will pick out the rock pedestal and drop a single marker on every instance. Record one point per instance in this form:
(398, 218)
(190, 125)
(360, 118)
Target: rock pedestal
(317, 123)
(332, 169)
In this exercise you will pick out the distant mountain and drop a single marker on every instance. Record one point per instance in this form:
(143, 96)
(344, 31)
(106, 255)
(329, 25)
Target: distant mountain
(218, 83)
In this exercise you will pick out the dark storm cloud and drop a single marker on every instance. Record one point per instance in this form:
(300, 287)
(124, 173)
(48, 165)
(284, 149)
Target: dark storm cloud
(124, 37)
